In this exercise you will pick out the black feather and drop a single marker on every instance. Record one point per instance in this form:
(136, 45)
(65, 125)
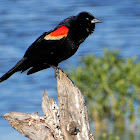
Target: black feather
(16, 68)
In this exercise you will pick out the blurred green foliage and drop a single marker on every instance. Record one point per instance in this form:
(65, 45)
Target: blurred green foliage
(109, 136)
(111, 85)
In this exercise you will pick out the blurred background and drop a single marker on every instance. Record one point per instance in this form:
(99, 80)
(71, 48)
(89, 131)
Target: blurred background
(21, 22)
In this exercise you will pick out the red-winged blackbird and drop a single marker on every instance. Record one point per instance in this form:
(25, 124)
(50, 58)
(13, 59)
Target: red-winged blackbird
(56, 45)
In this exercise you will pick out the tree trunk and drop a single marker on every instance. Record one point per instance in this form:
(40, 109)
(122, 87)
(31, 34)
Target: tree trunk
(69, 121)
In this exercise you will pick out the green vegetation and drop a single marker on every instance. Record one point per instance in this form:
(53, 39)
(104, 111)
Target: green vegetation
(111, 86)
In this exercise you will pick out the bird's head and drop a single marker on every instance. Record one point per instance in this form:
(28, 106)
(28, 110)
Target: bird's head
(87, 18)
(87, 21)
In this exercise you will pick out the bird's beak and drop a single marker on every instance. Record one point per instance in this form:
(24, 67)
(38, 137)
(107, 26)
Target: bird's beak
(96, 21)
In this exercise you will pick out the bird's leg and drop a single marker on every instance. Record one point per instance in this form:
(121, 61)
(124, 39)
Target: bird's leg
(55, 67)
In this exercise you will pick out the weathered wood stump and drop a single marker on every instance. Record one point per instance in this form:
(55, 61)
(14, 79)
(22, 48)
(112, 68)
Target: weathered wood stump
(69, 121)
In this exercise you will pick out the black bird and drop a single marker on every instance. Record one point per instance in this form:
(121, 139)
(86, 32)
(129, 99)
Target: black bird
(56, 45)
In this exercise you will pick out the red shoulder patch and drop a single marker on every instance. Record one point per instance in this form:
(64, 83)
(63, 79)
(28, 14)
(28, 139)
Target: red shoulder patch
(57, 34)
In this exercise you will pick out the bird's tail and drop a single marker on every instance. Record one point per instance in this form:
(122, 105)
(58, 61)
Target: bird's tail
(16, 68)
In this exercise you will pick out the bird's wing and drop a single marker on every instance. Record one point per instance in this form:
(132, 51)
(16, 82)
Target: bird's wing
(47, 42)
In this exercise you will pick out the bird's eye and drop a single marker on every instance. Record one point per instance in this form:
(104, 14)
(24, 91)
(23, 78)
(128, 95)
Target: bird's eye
(87, 18)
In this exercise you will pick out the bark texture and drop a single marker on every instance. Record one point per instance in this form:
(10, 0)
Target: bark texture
(69, 121)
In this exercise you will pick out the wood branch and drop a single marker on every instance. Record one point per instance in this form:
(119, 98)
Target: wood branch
(68, 122)
(34, 127)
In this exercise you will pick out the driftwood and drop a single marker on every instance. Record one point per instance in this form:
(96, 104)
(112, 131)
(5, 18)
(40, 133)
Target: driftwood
(69, 121)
